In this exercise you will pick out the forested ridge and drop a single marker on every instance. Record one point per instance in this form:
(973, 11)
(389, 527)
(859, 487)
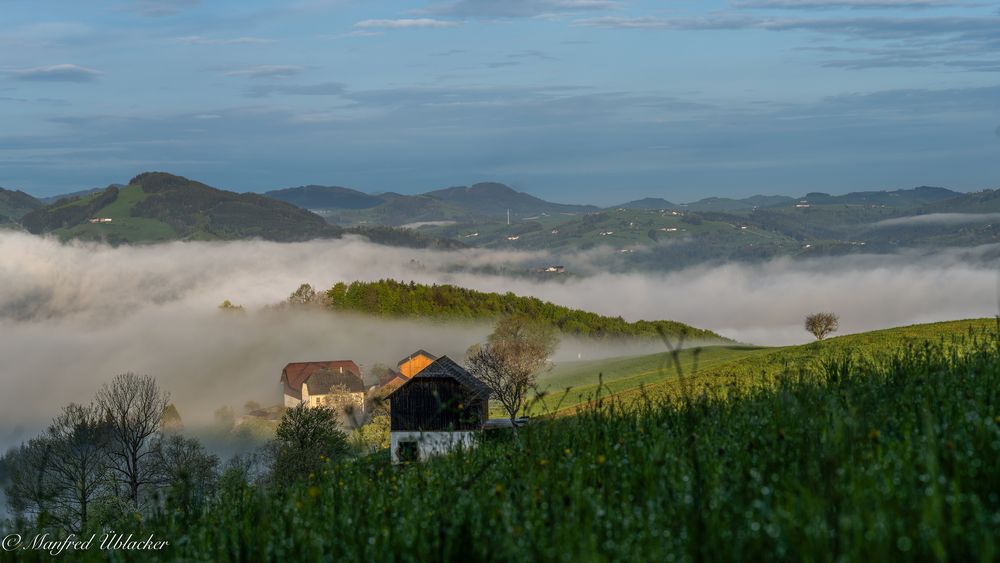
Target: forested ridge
(393, 298)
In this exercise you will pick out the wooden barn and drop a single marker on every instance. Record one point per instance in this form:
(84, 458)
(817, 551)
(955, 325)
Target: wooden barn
(441, 407)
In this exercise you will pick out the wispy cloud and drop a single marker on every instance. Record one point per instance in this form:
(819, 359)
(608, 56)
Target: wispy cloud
(57, 73)
(405, 23)
(845, 4)
(322, 89)
(519, 8)
(268, 71)
(160, 8)
(198, 40)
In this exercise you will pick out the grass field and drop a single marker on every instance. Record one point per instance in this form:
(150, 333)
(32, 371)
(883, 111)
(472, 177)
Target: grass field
(874, 447)
(124, 226)
(654, 374)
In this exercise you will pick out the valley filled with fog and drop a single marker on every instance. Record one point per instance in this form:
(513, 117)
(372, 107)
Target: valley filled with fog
(72, 315)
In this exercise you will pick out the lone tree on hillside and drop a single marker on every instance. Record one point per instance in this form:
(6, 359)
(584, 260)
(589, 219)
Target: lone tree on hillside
(510, 361)
(822, 324)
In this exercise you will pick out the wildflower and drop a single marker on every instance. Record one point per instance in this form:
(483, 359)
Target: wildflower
(499, 489)
(601, 459)
(873, 435)
(568, 451)
(543, 462)
(314, 491)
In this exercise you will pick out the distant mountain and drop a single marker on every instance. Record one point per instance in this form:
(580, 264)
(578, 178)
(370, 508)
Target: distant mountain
(647, 203)
(986, 201)
(492, 199)
(729, 205)
(326, 197)
(14, 204)
(914, 197)
(156, 206)
(74, 195)
(462, 204)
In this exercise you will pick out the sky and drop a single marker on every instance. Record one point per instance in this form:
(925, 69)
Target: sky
(589, 101)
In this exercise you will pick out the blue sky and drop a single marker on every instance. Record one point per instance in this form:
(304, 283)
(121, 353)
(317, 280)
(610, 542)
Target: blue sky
(573, 100)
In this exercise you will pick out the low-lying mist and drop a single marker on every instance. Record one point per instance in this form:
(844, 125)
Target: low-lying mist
(73, 315)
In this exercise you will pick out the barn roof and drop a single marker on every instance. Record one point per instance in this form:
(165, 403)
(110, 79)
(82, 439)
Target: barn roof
(445, 367)
(420, 352)
(323, 381)
(295, 374)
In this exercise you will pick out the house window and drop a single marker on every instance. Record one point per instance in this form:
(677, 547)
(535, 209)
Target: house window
(408, 451)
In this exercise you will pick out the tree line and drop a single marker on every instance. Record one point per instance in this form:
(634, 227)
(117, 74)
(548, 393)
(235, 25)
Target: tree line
(398, 299)
(122, 458)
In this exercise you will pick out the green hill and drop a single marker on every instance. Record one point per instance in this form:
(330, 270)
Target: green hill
(325, 197)
(492, 199)
(885, 458)
(156, 206)
(14, 204)
(633, 378)
(391, 298)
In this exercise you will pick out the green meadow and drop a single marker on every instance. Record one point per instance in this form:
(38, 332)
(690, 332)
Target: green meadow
(875, 447)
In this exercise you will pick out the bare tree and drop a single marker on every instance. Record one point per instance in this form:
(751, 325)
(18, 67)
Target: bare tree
(822, 324)
(510, 361)
(132, 406)
(79, 463)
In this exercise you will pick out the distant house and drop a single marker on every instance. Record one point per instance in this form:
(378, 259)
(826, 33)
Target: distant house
(513, 237)
(334, 384)
(100, 220)
(440, 408)
(554, 269)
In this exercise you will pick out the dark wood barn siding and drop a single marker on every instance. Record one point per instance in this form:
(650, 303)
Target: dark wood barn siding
(432, 404)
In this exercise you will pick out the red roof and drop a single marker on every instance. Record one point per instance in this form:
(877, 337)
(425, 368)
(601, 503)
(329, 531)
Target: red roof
(295, 374)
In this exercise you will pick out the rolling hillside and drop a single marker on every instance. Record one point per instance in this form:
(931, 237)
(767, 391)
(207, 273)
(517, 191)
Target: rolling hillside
(156, 206)
(14, 204)
(633, 377)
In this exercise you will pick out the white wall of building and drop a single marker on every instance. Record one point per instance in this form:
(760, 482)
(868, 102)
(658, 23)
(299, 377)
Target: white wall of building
(431, 443)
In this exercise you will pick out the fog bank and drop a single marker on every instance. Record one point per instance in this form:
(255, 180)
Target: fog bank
(73, 315)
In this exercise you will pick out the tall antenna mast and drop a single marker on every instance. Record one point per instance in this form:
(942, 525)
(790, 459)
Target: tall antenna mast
(508, 216)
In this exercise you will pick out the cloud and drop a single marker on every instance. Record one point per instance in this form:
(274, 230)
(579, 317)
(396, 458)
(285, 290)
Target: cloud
(321, 89)
(882, 27)
(940, 219)
(412, 23)
(268, 71)
(57, 73)
(160, 8)
(845, 4)
(198, 40)
(519, 8)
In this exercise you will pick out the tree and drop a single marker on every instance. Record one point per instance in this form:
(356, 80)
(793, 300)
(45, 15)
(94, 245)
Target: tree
(188, 470)
(822, 324)
(29, 490)
(304, 296)
(171, 420)
(510, 361)
(132, 405)
(79, 464)
(228, 305)
(306, 437)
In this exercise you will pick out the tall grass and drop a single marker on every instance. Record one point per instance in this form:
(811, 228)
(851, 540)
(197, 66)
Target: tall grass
(864, 458)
